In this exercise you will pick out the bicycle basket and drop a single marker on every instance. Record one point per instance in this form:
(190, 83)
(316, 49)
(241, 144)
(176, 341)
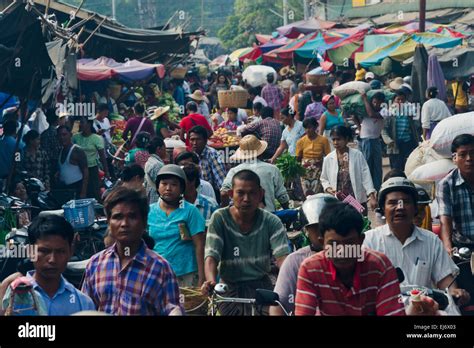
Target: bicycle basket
(80, 213)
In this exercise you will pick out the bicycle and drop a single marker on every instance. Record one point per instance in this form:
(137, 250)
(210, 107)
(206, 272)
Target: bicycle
(262, 298)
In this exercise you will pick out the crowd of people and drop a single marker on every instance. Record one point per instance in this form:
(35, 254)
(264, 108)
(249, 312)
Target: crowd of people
(195, 218)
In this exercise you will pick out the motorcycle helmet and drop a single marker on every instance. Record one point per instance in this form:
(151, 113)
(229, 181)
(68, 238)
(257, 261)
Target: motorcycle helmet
(397, 184)
(423, 196)
(172, 170)
(313, 206)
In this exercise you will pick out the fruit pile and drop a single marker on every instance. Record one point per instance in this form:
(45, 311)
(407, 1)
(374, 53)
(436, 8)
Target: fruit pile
(222, 138)
(119, 128)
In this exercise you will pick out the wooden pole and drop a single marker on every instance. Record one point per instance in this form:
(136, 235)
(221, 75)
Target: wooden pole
(422, 15)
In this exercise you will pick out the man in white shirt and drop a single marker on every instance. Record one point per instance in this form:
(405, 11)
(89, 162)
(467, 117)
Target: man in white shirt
(102, 124)
(370, 130)
(433, 111)
(417, 252)
(255, 97)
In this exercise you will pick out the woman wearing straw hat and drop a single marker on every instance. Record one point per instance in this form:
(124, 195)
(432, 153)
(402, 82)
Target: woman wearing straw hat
(202, 101)
(165, 128)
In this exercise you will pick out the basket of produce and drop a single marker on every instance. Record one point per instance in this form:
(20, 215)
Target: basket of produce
(179, 73)
(233, 99)
(195, 303)
(317, 77)
(223, 138)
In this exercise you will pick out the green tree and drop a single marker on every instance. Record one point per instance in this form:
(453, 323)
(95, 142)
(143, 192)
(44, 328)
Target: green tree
(255, 17)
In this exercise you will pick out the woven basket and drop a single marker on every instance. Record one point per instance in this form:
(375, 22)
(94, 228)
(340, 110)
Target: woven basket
(233, 99)
(179, 73)
(195, 303)
(317, 80)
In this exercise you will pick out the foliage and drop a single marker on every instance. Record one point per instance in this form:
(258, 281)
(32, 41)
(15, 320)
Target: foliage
(289, 167)
(255, 17)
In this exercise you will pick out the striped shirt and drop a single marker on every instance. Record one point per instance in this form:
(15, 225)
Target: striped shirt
(146, 286)
(403, 129)
(456, 199)
(206, 206)
(375, 289)
(245, 257)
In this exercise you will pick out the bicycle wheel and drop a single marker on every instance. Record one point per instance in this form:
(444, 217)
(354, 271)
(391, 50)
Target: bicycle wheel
(89, 244)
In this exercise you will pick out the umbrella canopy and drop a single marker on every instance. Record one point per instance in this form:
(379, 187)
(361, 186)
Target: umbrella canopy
(104, 68)
(293, 30)
(435, 76)
(419, 74)
(234, 56)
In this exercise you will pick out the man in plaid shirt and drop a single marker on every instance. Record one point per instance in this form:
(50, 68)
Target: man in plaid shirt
(128, 278)
(212, 167)
(455, 194)
(273, 95)
(268, 129)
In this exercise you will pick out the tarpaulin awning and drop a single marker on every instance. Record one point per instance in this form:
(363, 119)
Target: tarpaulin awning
(274, 44)
(284, 55)
(253, 55)
(234, 56)
(293, 30)
(263, 39)
(403, 28)
(319, 45)
(462, 56)
(105, 68)
(345, 49)
(404, 48)
(372, 42)
(219, 61)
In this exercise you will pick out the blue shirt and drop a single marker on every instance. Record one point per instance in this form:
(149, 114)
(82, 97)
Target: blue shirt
(179, 97)
(291, 137)
(403, 129)
(206, 206)
(67, 300)
(166, 234)
(7, 149)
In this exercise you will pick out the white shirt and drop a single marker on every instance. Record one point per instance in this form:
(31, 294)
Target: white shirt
(259, 99)
(433, 110)
(104, 124)
(371, 128)
(359, 173)
(422, 258)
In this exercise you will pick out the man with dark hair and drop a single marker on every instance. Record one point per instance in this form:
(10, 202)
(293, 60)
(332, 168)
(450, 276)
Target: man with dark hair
(102, 124)
(417, 252)
(399, 132)
(193, 119)
(212, 167)
(128, 278)
(50, 142)
(455, 194)
(138, 123)
(346, 279)
(268, 129)
(273, 95)
(7, 150)
(72, 164)
(187, 157)
(254, 96)
(52, 236)
(241, 240)
(206, 205)
(157, 150)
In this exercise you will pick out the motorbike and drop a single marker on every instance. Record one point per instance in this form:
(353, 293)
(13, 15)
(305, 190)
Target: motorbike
(464, 259)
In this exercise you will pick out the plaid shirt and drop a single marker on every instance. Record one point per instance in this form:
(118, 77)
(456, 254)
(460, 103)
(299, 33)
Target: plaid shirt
(456, 199)
(50, 143)
(273, 96)
(146, 286)
(206, 206)
(37, 166)
(212, 167)
(268, 130)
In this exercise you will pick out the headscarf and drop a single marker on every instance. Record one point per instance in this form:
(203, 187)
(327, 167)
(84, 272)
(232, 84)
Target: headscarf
(327, 98)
